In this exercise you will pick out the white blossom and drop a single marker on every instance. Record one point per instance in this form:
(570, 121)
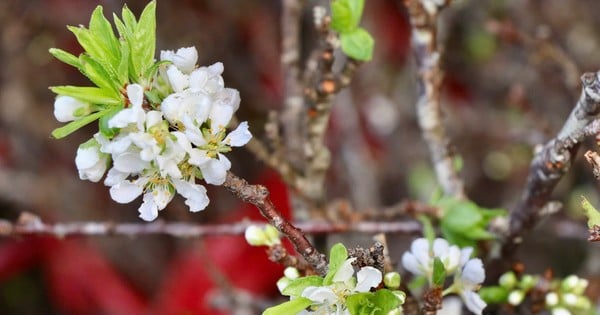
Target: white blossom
(419, 260)
(90, 161)
(67, 108)
(331, 299)
(184, 59)
(134, 114)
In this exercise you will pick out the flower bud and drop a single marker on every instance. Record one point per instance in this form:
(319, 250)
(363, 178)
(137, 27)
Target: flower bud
(271, 235)
(255, 236)
(67, 108)
(508, 280)
(515, 297)
(551, 299)
(401, 295)
(528, 282)
(291, 273)
(283, 283)
(392, 280)
(560, 311)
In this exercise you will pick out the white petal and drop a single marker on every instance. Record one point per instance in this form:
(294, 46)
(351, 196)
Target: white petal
(131, 115)
(135, 94)
(229, 97)
(65, 107)
(452, 259)
(178, 80)
(473, 302)
(148, 210)
(465, 255)
(220, 117)
(184, 59)
(114, 177)
(153, 118)
(198, 157)
(345, 272)
(367, 278)
(118, 145)
(214, 171)
(87, 157)
(216, 68)
(473, 272)
(125, 191)
(195, 195)
(225, 161)
(440, 247)
(129, 162)
(420, 249)
(239, 137)
(410, 263)
(162, 196)
(320, 294)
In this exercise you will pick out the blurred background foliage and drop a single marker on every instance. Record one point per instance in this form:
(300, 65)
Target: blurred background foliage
(511, 77)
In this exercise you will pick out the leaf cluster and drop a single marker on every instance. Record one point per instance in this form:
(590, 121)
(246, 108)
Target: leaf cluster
(356, 42)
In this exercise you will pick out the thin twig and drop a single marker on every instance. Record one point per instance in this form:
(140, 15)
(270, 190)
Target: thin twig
(553, 161)
(259, 197)
(424, 18)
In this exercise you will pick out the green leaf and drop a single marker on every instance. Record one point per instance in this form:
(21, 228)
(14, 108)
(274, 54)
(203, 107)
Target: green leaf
(105, 38)
(103, 123)
(379, 303)
(123, 67)
(145, 38)
(494, 295)
(288, 308)
(386, 300)
(96, 72)
(73, 126)
(439, 272)
(479, 233)
(590, 212)
(89, 94)
(296, 286)
(358, 44)
(65, 57)
(461, 216)
(337, 256)
(346, 14)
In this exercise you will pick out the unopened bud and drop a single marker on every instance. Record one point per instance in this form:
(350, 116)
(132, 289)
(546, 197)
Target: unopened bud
(392, 280)
(551, 299)
(291, 273)
(515, 297)
(508, 280)
(255, 236)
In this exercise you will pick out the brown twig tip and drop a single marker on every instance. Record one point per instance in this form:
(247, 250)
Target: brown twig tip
(594, 159)
(594, 233)
(432, 301)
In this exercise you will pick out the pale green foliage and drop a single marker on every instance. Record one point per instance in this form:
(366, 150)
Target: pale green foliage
(356, 42)
(109, 62)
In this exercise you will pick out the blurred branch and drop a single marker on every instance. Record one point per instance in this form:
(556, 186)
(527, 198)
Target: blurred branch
(30, 224)
(553, 160)
(541, 44)
(424, 18)
(291, 117)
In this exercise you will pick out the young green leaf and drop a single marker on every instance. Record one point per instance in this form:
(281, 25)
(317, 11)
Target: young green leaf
(590, 212)
(296, 286)
(494, 294)
(145, 38)
(73, 126)
(294, 306)
(358, 44)
(379, 303)
(65, 57)
(428, 231)
(346, 14)
(89, 94)
(103, 34)
(439, 272)
(386, 300)
(105, 130)
(94, 71)
(337, 256)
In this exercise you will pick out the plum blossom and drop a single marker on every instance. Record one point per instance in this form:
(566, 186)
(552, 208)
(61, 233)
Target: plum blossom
(468, 273)
(90, 162)
(331, 299)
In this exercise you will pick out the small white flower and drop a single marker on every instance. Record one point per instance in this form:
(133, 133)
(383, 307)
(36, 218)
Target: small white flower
(184, 59)
(67, 108)
(467, 281)
(331, 299)
(134, 114)
(419, 260)
(194, 194)
(90, 161)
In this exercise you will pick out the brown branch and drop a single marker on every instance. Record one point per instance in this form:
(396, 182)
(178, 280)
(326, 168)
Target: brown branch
(553, 161)
(259, 197)
(424, 40)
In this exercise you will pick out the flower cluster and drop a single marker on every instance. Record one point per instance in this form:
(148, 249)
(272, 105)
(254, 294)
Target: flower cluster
(344, 290)
(468, 273)
(161, 147)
